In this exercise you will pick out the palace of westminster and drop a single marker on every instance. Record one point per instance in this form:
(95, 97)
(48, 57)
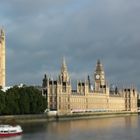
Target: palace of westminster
(62, 98)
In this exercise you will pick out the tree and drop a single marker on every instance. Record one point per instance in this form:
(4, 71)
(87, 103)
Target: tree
(2, 102)
(12, 101)
(25, 100)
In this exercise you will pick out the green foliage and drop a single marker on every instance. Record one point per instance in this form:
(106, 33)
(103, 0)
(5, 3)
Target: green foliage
(25, 100)
(2, 102)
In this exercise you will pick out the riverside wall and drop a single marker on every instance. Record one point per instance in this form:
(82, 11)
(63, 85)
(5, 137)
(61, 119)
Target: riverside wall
(14, 119)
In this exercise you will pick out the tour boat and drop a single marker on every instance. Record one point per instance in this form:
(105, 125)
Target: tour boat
(9, 130)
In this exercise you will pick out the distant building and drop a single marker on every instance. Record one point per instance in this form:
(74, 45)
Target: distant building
(4, 89)
(2, 58)
(86, 98)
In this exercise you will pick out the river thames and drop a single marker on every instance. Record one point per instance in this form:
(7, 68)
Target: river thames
(117, 128)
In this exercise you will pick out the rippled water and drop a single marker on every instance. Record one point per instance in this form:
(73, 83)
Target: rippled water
(119, 128)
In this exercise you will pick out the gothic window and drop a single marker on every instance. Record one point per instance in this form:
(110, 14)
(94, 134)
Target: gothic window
(68, 106)
(55, 89)
(64, 87)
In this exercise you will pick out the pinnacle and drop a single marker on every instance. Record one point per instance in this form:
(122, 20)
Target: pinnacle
(64, 66)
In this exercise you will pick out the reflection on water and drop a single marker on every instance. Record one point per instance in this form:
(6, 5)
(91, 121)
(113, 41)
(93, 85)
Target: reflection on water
(12, 138)
(122, 128)
(96, 124)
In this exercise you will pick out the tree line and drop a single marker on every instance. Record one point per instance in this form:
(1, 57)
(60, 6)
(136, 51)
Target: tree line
(24, 100)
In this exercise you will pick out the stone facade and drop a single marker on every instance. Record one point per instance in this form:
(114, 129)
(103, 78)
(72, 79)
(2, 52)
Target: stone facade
(61, 98)
(2, 58)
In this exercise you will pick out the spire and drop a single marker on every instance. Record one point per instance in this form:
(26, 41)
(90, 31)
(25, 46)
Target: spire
(64, 72)
(64, 66)
(45, 79)
(2, 34)
(99, 66)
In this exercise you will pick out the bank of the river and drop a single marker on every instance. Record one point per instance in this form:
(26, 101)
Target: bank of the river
(47, 118)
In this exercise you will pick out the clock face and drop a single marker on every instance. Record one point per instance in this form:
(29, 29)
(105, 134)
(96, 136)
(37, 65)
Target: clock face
(97, 76)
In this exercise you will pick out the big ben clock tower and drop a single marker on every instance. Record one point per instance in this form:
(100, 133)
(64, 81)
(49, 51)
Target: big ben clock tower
(2, 58)
(99, 77)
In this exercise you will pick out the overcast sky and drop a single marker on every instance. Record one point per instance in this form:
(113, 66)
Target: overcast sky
(40, 32)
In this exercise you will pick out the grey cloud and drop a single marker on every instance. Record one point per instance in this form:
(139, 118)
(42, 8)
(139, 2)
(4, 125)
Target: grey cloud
(40, 33)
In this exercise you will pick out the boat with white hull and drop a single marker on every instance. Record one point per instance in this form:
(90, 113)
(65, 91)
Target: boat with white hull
(9, 130)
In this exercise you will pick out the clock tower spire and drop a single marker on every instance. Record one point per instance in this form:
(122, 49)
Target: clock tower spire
(99, 77)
